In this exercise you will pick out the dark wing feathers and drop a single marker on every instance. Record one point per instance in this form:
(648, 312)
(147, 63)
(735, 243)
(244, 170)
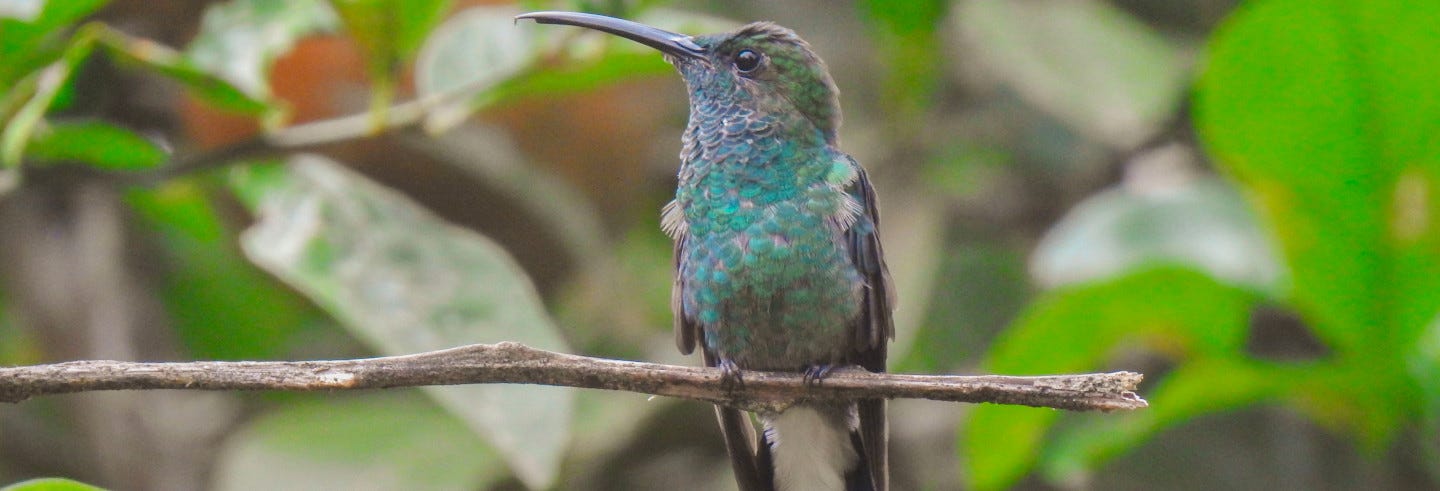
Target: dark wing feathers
(875, 327)
(687, 330)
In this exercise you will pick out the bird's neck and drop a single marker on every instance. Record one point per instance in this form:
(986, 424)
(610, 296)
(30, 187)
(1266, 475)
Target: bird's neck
(762, 158)
(737, 137)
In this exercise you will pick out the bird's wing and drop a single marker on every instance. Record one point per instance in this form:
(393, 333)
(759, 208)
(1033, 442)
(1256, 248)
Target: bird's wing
(687, 329)
(875, 327)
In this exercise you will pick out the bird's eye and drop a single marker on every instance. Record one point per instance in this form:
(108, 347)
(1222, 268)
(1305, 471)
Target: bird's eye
(747, 61)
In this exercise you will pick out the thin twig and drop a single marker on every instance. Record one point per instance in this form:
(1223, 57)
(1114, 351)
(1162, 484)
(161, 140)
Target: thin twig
(293, 138)
(515, 363)
(305, 136)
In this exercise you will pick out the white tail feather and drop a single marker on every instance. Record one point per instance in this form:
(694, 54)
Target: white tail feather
(811, 449)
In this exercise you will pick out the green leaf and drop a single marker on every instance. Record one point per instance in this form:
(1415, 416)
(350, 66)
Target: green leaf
(50, 484)
(389, 32)
(28, 42)
(376, 442)
(46, 87)
(999, 443)
(222, 306)
(472, 51)
(163, 60)
(100, 144)
(907, 36)
(258, 181)
(405, 282)
(1101, 71)
(1424, 365)
(1202, 223)
(1177, 312)
(1326, 113)
(613, 66)
(1193, 389)
(42, 88)
(477, 47)
(239, 40)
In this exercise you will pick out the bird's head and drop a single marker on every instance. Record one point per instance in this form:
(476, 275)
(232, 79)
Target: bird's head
(760, 66)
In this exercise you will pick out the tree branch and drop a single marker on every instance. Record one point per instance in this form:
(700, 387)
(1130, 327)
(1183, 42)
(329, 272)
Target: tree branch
(515, 363)
(305, 136)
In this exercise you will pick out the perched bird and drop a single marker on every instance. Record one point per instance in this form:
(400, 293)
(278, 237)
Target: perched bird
(778, 265)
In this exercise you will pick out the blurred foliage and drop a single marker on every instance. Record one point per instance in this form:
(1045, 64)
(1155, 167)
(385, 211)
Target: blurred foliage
(1344, 175)
(103, 145)
(909, 41)
(50, 484)
(27, 43)
(1096, 68)
(1305, 110)
(979, 122)
(389, 32)
(222, 307)
(370, 442)
(407, 283)
(240, 41)
(1200, 222)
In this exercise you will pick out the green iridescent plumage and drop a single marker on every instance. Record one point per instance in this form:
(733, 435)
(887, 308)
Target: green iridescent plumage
(778, 266)
(777, 262)
(767, 210)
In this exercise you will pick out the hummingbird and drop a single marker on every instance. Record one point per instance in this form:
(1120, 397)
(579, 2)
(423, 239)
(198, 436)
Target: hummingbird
(777, 258)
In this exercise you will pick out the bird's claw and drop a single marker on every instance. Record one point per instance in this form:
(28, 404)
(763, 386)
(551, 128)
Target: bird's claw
(731, 378)
(814, 374)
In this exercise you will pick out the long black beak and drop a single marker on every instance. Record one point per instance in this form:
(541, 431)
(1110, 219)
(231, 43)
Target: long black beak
(678, 45)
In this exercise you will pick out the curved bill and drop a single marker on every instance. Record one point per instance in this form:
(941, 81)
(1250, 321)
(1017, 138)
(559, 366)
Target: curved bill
(667, 42)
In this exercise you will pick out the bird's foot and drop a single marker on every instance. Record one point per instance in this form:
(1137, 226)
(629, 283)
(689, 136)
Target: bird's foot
(814, 374)
(731, 378)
